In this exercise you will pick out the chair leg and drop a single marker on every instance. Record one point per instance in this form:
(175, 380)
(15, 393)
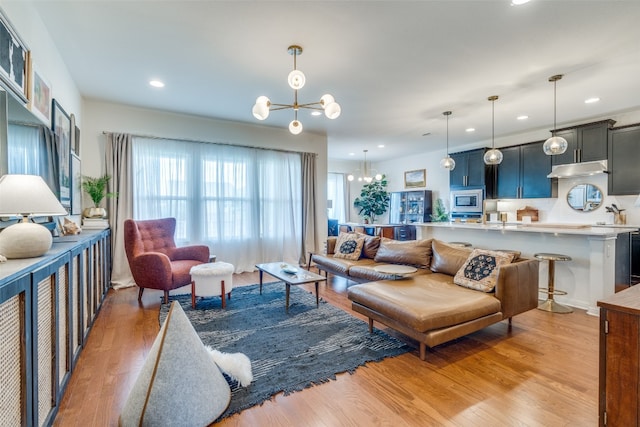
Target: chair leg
(140, 291)
(166, 297)
(193, 294)
(224, 305)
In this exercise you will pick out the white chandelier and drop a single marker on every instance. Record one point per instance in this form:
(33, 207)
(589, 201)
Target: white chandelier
(296, 80)
(366, 173)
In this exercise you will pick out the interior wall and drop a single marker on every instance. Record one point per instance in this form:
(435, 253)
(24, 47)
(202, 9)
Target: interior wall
(100, 117)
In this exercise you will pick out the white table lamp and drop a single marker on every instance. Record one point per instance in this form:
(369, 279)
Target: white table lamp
(26, 196)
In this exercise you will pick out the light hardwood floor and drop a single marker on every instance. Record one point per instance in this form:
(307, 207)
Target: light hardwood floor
(542, 372)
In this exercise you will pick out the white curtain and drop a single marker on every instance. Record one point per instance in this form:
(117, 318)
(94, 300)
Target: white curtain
(244, 203)
(336, 192)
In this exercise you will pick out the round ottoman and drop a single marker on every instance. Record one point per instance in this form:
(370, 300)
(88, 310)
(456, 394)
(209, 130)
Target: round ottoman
(211, 280)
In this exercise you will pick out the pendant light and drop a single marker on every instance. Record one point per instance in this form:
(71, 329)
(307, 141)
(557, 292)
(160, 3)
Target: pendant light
(556, 144)
(448, 162)
(493, 156)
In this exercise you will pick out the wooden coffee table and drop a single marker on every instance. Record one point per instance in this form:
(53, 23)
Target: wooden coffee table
(290, 275)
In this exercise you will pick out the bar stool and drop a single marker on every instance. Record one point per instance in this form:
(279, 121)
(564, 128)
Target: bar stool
(550, 304)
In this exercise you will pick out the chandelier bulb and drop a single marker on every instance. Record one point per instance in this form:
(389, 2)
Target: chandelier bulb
(379, 177)
(350, 177)
(296, 79)
(260, 111)
(295, 127)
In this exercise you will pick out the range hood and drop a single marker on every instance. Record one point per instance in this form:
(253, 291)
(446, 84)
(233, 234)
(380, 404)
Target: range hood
(578, 169)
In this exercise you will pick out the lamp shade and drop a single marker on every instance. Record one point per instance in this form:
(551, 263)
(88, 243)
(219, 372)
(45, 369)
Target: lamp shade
(448, 163)
(493, 157)
(28, 195)
(554, 146)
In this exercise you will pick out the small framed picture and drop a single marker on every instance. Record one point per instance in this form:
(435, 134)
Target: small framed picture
(40, 99)
(415, 178)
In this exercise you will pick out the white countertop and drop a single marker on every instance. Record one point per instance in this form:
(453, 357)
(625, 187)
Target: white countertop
(555, 228)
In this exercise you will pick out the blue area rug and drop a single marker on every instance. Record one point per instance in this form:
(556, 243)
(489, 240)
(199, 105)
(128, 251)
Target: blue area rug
(289, 351)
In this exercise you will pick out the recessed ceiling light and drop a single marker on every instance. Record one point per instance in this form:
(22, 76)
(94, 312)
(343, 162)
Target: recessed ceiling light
(352, 154)
(518, 2)
(156, 83)
(523, 117)
(380, 145)
(470, 130)
(316, 113)
(591, 100)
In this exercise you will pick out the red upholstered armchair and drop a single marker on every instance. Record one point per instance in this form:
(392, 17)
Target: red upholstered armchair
(155, 260)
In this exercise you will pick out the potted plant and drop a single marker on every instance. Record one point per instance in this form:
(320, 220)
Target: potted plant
(439, 212)
(373, 200)
(96, 188)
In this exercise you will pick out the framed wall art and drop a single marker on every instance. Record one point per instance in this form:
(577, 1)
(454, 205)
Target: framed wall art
(76, 185)
(415, 178)
(61, 126)
(40, 96)
(14, 59)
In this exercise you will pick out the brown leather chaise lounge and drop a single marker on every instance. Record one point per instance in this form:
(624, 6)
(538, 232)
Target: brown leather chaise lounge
(427, 305)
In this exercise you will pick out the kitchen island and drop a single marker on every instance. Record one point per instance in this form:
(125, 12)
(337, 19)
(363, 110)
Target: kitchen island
(587, 278)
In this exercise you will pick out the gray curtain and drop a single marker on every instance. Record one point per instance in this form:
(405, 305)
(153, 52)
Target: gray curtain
(308, 206)
(118, 166)
(347, 198)
(52, 172)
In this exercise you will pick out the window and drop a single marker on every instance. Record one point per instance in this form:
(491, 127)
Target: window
(26, 150)
(336, 194)
(244, 203)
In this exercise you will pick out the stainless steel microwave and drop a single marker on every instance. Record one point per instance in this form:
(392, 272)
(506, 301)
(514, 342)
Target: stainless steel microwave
(466, 201)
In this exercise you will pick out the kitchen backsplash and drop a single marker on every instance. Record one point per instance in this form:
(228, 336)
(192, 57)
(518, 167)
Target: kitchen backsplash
(557, 210)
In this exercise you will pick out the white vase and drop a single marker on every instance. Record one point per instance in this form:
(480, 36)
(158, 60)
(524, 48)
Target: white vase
(94, 212)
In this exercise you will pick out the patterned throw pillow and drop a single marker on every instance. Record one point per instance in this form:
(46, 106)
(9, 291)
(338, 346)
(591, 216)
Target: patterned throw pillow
(480, 270)
(349, 246)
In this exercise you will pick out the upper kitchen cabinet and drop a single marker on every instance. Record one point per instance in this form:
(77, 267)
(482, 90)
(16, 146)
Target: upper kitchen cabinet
(523, 173)
(586, 143)
(471, 171)
(624, 158)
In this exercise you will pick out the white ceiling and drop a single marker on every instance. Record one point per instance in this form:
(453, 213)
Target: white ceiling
(394, 66)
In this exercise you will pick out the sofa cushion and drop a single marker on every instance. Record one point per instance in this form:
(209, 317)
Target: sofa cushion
(349, 246)
(480, 270)
(427, 302)
(339, 266)
(448, 259)
(370, 247)
(367, 272)
(410, 252)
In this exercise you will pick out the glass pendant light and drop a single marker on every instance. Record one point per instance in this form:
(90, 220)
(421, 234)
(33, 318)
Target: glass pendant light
(556, 144)
(448, 162)
(493, 156)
